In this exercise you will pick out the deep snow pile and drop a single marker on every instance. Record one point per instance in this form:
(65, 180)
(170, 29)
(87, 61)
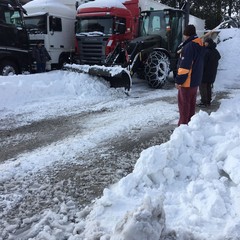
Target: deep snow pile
(187, 188)
(34, 97)
(194, 177)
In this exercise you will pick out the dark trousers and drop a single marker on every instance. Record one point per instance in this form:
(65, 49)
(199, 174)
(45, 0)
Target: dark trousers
(186, 103)
(205, 90)
(41, 67)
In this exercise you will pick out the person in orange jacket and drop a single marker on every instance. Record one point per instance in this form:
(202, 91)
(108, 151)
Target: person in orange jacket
(189, 75)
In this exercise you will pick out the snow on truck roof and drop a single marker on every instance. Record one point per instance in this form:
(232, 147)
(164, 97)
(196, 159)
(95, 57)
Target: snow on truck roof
(103, 4)
(54, 7)
(120, 4)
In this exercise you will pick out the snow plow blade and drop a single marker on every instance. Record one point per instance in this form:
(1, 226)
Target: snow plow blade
(117, 76)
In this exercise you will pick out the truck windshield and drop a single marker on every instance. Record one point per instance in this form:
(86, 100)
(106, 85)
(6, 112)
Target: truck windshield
(36, 24)
(94, 25)
(153, 23)
(11, 17)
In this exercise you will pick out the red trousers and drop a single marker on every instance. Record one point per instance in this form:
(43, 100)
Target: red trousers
(186, 103)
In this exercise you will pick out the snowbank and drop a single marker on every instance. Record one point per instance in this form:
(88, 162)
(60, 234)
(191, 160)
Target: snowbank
(192, 180)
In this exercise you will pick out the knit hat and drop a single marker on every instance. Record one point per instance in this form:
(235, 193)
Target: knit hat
(211, 43)
(189, 30)
(209, 40)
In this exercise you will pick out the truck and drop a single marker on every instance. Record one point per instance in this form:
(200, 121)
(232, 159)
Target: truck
(14, 43)
(141, 36)
(52, 22)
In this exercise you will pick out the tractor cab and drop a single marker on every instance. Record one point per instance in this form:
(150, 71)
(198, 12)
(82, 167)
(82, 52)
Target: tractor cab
(167, 24)
(14, 44)
(12, 29)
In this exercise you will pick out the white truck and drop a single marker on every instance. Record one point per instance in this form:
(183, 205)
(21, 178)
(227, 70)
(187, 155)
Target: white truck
(52, 22)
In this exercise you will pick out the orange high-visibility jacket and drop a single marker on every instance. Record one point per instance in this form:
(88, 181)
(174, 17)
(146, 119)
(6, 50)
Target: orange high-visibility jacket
(190, 65)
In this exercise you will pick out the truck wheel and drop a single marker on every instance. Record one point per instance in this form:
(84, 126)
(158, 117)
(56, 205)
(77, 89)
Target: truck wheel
(157, 69)
(8, 68)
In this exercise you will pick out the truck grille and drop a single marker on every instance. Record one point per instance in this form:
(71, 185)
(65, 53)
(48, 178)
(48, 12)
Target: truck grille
(92, 50)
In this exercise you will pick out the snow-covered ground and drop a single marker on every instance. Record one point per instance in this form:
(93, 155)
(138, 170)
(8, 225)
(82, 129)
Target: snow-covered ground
(186, 188)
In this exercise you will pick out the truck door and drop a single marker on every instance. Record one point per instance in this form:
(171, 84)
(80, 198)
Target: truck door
(56, 38)
(174, 22)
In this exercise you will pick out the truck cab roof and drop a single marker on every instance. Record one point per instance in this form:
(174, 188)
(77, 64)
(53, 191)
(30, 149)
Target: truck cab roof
(51, 7)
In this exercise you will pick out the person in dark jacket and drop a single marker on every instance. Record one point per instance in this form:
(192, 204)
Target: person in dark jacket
(211, 59)
(41, 56)
(189, 75)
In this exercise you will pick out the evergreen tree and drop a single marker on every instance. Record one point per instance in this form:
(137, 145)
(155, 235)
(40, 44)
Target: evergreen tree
(211, 11)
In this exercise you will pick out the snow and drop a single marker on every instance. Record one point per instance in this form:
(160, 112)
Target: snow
(60, 8)
(187, 188)
(103, 4)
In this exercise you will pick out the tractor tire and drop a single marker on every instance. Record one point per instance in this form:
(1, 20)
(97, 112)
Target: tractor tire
(157, 69)
(8, 68)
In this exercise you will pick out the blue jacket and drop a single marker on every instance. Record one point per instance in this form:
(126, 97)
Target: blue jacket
(190, 65)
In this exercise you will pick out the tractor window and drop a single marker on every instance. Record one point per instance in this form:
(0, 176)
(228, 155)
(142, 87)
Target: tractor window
(12, 31)
(153, 23)
(12, 18)
(144, 28)
(156, 24)
(175, 34)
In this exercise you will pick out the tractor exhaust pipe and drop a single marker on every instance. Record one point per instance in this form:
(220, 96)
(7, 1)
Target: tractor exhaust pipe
(186, 9)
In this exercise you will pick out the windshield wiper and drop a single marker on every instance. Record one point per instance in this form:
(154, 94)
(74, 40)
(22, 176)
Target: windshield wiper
(35, 31)
(82, 34)
(90, 34)
(95, 33)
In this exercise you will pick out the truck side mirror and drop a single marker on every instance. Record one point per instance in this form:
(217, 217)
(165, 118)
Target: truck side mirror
(76, 5)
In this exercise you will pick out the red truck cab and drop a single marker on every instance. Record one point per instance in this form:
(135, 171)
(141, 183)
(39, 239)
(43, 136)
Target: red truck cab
(101, 28)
